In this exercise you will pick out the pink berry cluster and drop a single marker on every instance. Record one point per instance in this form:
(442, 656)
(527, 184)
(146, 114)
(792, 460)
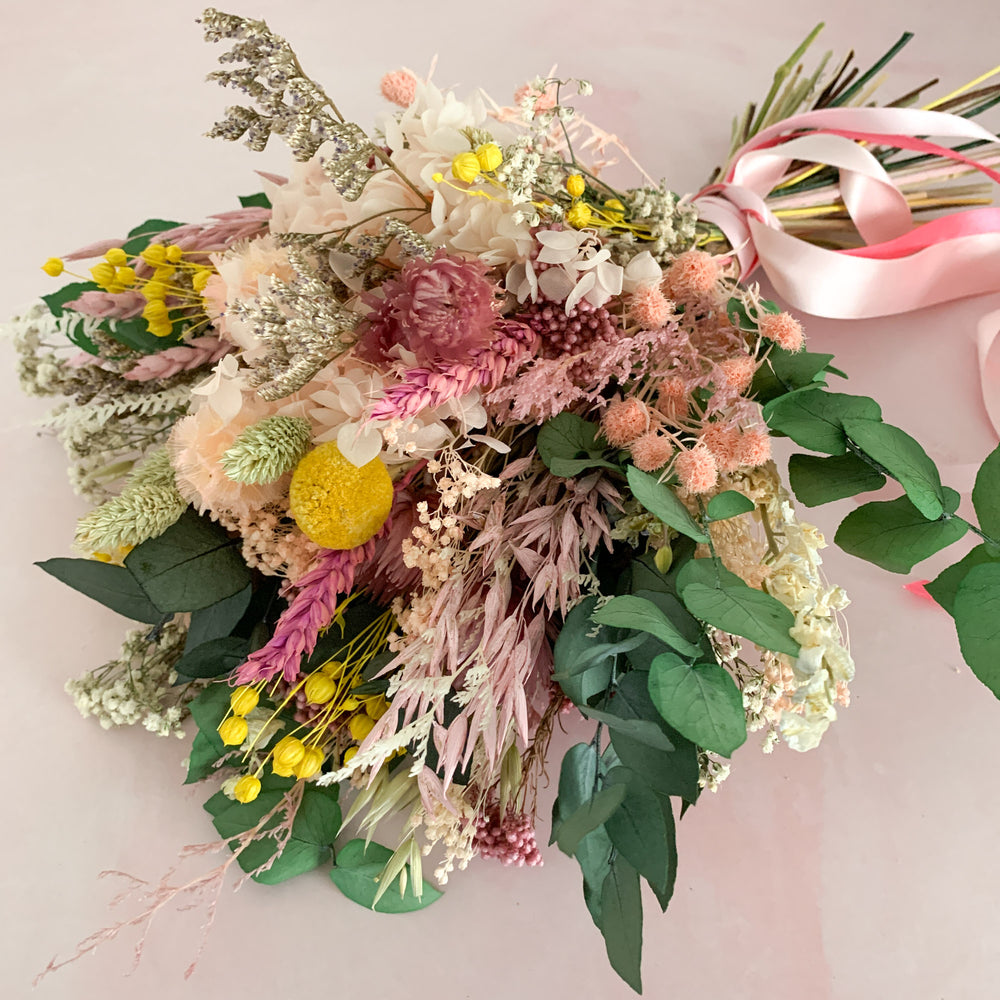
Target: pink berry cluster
(511, 841)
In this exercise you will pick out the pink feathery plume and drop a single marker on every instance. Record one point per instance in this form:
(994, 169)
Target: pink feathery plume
(424, 388)
(195, 353)
(108, 305)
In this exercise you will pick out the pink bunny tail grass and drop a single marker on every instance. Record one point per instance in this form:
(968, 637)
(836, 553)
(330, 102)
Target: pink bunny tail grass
(195, 353)
(423, 388)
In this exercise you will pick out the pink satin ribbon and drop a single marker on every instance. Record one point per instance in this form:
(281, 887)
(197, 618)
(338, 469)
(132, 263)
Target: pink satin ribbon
(903, 266)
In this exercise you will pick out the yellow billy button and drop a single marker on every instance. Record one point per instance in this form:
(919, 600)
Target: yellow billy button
(575, 185)
(243, 699)
(336, 504)
(53, 267)
(489, 156)
(286, 756)
(312, 761)
(320, 689)
(465, 167)
(360, 726)
(579, 215)
(233, 730)
(246, 789)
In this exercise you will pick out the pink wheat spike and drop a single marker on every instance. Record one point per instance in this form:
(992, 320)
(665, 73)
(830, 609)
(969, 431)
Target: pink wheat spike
(195, 353)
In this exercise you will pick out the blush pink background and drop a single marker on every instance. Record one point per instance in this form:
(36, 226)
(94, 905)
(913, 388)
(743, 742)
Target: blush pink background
(867, 869)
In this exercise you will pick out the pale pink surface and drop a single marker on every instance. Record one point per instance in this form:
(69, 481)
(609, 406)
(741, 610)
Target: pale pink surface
(866, 869)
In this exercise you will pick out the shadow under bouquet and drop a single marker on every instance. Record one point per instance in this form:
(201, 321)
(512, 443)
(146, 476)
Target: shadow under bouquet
(444, 439)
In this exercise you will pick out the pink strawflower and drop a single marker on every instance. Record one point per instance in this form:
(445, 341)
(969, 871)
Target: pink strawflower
(624, 420)
(650, 308)
(672, 400)
(724, 442)
(738, 372)
(399, 87)
(784, 329)
(754, 448)
(651, 451)
(691, 275)
(696, 469)
(510, 840)
(442, 310)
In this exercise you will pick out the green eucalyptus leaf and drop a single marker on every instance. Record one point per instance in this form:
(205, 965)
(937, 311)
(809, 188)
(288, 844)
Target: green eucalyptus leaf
(986, 494)
(142, 235)
(208, 709)
(570, 438)
(588, 817)
(816, 480)
(699, 700)
(318, 818)
(813, 417)
(258, 200)
(644, 730)
(629, 611)
(621, 921)
(578, 669)
(784, 371)
(661, 501)
(577, 781)
(112, 586)
(214, 658)
(192, 565)
(593, 854)
(637, 829)
(903, 457)
(356, 873)
(944, 588)
(664, 896)
(893, 534)
(204, 755)
(977, 621)
(296, 858)
(728, 504)
(217, 620)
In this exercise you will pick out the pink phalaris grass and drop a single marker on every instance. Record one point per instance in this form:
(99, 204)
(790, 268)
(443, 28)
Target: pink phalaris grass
(399, 87)
(783, 328)
(510, 840)
(624, 420)
(108, 305)
(195, 353)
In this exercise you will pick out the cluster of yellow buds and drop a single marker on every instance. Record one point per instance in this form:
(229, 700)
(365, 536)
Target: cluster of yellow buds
(467, 167)
(233, 729)
(582, 214)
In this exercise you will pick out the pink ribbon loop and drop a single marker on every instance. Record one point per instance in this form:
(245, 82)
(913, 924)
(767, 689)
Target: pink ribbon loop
(903, 266)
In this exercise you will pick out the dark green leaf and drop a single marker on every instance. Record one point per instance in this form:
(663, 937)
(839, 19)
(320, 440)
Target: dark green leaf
(637, 829)
(297, 857)
(664, 897)
(644, 730)
(588, 817)
(903, 457)
(945, 586)
(112, 586)
(621, 921)
(577, 781)
(986, 494)
(593, 854)
(578, 670)
(569, 467)
(568, 437)
(893, 534)
(135, 334)
(977, 621)
(218, 620)
(259, 200)
(699, 700)
(813, 417)
(204, 754)
(784, 371)
(317, 820)
(816, 480)
(637, 613)
(662, 502)
(208, 710)
(356, 873)
(142, 235)
(728, 504)
(192, 565)
(728, 603)
(232, 818)
(214, 658)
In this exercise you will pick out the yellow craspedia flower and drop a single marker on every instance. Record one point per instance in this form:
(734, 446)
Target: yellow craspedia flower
(244, 699)
(246, 789)
(336, 504)
(465, 167)
(576, 185)
(360, 726)
(489, 156)
(233, 730)
(319, 689)
(312, 761)
(579, 215)
(53, 267)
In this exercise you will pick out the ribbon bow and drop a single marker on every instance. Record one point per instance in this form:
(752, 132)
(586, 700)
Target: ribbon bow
(903, 266)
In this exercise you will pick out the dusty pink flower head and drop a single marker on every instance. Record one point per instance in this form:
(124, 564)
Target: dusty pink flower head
(443, 310)
(784, 329)
(738, 372)
(651, 451)
(399, 87)
(691, 275)
(650, 308)
(624, 420)
(754, 448)
(672, 400)
(696, 469)
(724, 443)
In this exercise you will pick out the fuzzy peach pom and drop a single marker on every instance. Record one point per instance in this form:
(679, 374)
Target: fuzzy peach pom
(672, 400)
(754, 448)
(650, 308)
(724, 443)
(399, 87)
(784, 329)
(623, 421)
(738, 372)
(696, 469)
(651, 451)
(691, 275)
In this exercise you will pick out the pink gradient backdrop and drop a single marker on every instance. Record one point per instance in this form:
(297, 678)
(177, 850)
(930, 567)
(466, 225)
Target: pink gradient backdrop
(867, 869)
